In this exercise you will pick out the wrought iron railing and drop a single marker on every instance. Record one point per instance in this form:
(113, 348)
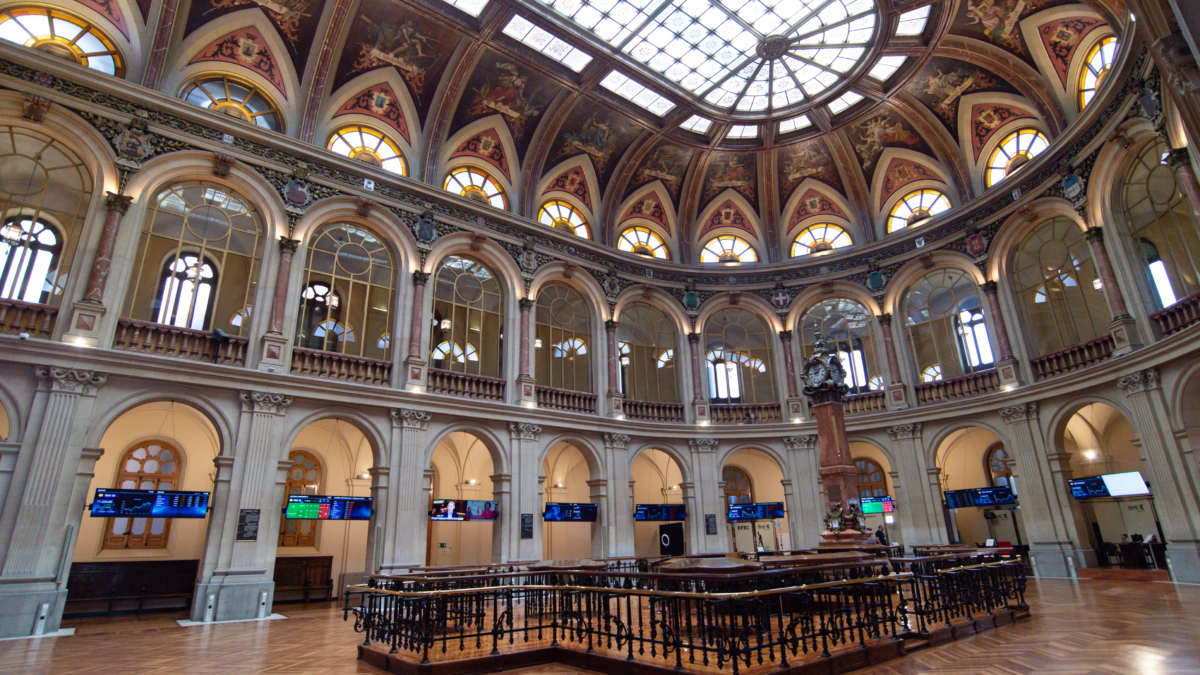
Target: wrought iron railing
(181, 343)
(342, 367)
(465, 385)
(675, 621)
(745, 413)
(1074, 357)
(565, 399)
(980, 382)
(1178, 316)
(27, 317)
(653, 411)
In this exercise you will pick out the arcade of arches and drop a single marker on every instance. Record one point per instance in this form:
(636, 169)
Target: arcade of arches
(504, 253)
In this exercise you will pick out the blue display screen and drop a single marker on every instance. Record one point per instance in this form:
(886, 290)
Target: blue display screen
(660, 512)
(993, 496)
(327, 507)
(149, 504)
(765, 511)
(557, 512)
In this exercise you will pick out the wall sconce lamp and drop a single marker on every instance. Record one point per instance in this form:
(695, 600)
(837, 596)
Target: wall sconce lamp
(470, 481)
(558, 485)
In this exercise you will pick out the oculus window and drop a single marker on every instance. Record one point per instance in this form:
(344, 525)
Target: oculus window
(729, 250)
(562, 216)
(368, 145)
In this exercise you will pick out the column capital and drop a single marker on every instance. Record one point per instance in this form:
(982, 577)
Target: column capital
(523, 431)
(610, 326)
(785, 335)
(885, 319)
(116, 202)
(1020, 412)
(702, 444)
(800, 442)
(420, 278)
(1139, 382)
(288, 245)
(263, 402)
(1094, 235)
(901, 431)
(71, 380)
(407, 418)
(694, 338)
(616, 441)
(990, 287)
(526, 304)
(1179, 158)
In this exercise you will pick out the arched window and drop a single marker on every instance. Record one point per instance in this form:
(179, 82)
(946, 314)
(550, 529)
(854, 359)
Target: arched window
(476, 184)
(946, 326)
(1013, 153)
(915, 207)
(729, 250)
(348, 283)
(871, 482)
(64, 35)
(819, 238)
(368, 145)
(197, 264)
(1057, 286)
(44, 194)
(186, 292)
(932, 373)
(738, 489)
(564, 329)
(29, 255)
(235, 97)
(562, 216)
(1164, 230)
(847, 326)
(304, 478)
(999, 467)
(737, 347)
(150, 465)
(647, 338)
(1096, 68)
(467, 313)
(643, 241)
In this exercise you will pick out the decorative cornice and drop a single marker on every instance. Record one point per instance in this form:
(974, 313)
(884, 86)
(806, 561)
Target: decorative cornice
(71, 380)
(902, 431)
(523, 431)
(800, 442)
(1139, 382)
(703, 444)
(261, 402)
(408, 418)
(616, 441)
(1020, 412)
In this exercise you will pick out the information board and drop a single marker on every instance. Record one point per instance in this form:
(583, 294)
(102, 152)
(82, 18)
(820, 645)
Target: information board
(247, 529)
(993, 496)
(563, 512)
(149, 504)
(764, 511)
(710, 523)
(660, 512)
(327, 507)
(877, 505)
(527, 526)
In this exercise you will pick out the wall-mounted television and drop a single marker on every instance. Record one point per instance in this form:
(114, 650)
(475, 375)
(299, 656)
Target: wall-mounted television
(877, 505)
(660, 512)
(1128, 484)
(989, 496)
(764, 511)
(149, 504)
(327, 507)
(465, 509)
(561, 512)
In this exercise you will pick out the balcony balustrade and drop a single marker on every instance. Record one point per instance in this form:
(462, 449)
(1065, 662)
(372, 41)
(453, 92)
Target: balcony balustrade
(1179, 315)
(27, 317)
(180, 343)
(872, 401)
(465, 385)
(563, 399)
(653, 411)
(341, 367)
(980, 382)
(745, 413)
(1074, 357)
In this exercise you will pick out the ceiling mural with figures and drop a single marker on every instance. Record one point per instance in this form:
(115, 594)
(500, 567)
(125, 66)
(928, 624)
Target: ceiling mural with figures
(664, 119)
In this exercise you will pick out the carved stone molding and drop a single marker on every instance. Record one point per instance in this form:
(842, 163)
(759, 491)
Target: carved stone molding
(1020, 412)
(116, 202)
(901, 431)
(420, 278)
(703, 444)
(1142, 381)
(261, 402)
(800, 442)
(408, 418)
(524, 431)
(287, 245)
(618, 441)
(72, 380)
(1093, 235)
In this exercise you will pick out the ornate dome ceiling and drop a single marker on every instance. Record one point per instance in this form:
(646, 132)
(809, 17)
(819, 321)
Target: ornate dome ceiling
(691, 119)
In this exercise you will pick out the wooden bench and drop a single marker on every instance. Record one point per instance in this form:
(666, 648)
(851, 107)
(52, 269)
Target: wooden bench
(129, 585)
(306, 575)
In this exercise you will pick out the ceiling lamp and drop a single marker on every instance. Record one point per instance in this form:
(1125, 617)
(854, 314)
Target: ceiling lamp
(446, 325)
(12, 233)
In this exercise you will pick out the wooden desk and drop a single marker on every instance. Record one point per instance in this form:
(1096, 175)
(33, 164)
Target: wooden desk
(814, 559)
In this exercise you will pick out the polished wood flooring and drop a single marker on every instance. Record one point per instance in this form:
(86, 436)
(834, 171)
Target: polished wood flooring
(1076, 628)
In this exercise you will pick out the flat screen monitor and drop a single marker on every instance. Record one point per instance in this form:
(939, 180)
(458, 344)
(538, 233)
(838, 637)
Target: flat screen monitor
(149, 504)
(558, 512)
(660, 512)
(764, 511)
(465, 509)
(877, 505)
(1125, 484)
(993, 496)
(1088, 488)
(327, 507)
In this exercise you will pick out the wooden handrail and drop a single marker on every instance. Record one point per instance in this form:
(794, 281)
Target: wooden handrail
(653, 411)
(872, 401)
(745, 413)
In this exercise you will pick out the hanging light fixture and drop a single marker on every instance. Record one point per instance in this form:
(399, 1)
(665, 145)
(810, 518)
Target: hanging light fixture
(625, 360)
(1097, 284)
(446, 325)
(12, 233)
(537, 343)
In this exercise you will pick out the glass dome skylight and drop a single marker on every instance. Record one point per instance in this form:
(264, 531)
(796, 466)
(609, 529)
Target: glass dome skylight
(737, 55)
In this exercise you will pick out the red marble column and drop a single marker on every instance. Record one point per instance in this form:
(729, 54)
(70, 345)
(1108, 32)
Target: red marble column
(990, 289)
(418, 314)
(889, 345)
(786, 337)
(837, 470)
(610, 327)
(1116, 300)
(287, 248)
(526, 305)
(1180, 160)
(697, 383)
(98, 279)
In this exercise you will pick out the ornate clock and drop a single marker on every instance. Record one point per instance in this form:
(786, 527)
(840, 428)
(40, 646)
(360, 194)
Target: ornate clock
(824, 376)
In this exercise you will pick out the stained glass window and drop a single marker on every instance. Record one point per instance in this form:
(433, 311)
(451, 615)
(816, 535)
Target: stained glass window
(916, 206)
(643, 241)
(818, 238)
(1013, 153)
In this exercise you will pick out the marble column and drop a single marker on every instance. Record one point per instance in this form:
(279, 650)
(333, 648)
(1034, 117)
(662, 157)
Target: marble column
(1006, 365)
(1180, 161)
(616, 461)
(274, 342)
(414, 364)
(525, 452)
(598, 493)
(805, 506)
(616, 398)
(526, 383)
(1122, 328)
(708, 497)
(699, 400)
(918, 503)
(382, 510)
(795, 404)
(897, 396)
(405, 532)
(102, 263)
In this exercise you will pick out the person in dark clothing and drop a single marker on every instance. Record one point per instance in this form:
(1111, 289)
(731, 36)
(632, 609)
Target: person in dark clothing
(880, 536)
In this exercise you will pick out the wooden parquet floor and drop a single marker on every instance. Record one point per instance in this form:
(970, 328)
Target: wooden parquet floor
(1077, 627)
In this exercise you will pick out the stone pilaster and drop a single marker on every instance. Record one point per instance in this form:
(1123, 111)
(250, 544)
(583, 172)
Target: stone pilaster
(918, 504)
(415, 375)
(525, 453)
(598, 492)
(708, 497)
(404, 544)
(382, 509)
(616, 459)
(804, 500)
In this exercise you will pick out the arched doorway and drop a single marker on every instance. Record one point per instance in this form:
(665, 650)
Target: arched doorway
(657, 479)
(752, 476)
(462, 469)
(965, 461)
(566, 473)
(875, 480)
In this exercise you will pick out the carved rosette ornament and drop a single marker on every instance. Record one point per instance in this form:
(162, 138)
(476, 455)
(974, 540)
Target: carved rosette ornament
(524, 431)
(618, 441)
(824, 376)
(260, 402)
(408, 418)
(71, 380)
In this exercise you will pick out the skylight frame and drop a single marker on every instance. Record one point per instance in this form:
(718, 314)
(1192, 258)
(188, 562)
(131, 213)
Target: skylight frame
(546, 42)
